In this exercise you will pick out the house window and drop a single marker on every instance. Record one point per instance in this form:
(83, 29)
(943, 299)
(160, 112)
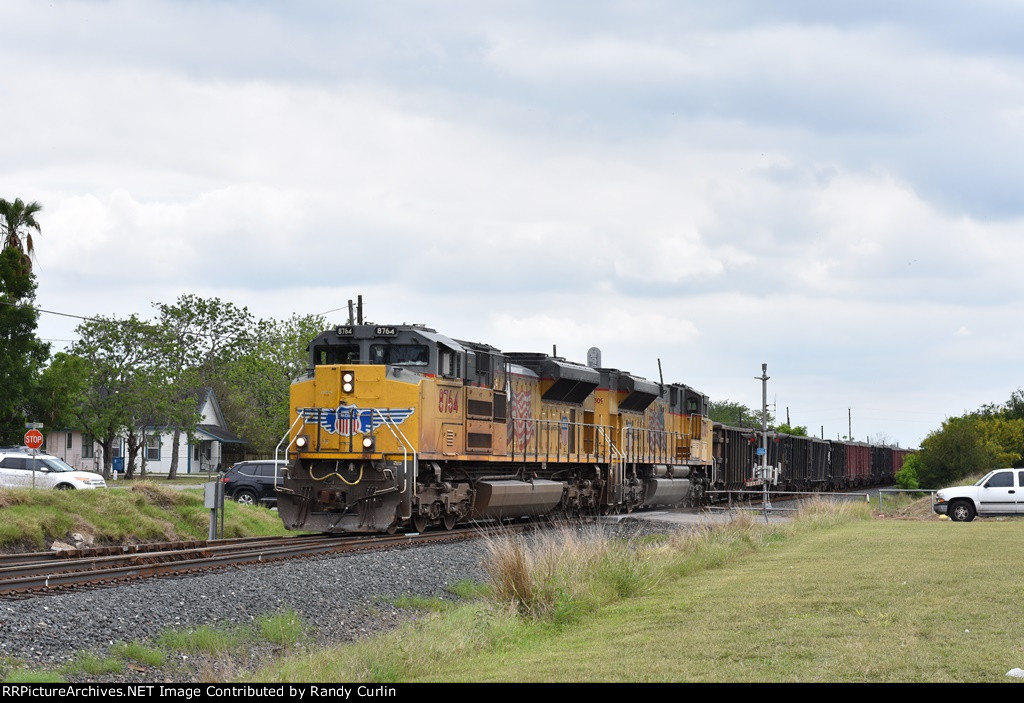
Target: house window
(115, 449)
(87, 446)
(153, 448)
(67, 442)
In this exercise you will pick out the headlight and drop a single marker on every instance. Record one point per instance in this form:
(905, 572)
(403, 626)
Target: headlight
(367, 444)
(348, 381)
(301, 442)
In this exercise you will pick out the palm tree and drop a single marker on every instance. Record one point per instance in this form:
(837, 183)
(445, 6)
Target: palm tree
(19, 219)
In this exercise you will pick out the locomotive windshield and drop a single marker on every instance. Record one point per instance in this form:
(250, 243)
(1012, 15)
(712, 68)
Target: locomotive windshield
(335, 354)
(400, 354)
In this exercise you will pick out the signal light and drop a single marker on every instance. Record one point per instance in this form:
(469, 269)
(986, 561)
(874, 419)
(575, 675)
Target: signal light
(301, 442)
(368, 444)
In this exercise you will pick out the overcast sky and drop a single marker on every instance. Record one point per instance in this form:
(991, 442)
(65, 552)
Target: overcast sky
(831, 188)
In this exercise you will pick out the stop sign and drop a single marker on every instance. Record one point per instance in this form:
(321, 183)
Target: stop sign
(33, 439)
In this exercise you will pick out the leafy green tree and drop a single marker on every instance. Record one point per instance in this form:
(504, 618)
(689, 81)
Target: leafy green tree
(145, 393)
(735, 414)
(18, 221)
(22, 355)
(117, 355)
(58, 394)
(956, 450)
(255, 391)
(199, 338)
(798, 430)
(1004, 438)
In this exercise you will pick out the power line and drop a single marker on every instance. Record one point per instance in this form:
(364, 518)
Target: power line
(51, 312)
(100, 320)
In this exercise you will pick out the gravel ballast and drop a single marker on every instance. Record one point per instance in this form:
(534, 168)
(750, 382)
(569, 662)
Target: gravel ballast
(341, 599)
(348, 596)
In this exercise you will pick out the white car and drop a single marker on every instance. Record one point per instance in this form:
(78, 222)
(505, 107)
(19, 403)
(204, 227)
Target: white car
(999, 492)
(16, 471)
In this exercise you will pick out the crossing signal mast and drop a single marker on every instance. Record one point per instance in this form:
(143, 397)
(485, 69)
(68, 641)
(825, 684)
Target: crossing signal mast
(763, 449)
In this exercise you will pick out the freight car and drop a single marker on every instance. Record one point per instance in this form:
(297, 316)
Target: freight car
(400, 427)
(798, 463)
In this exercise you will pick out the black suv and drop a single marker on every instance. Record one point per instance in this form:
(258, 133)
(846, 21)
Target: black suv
(252, 482)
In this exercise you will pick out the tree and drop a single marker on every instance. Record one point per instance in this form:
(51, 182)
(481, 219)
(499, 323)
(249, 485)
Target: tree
(58, 393)
(199, 338)
(117, 355)
(798, 430)
(19, 219)
(255, 391)
(956, 450)
(1004, 438)
(22, 355)
(736, 414)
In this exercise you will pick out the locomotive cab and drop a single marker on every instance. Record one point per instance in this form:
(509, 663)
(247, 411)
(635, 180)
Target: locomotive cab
(399, 426)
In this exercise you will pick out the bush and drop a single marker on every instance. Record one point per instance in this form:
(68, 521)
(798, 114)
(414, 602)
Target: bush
(906, 477)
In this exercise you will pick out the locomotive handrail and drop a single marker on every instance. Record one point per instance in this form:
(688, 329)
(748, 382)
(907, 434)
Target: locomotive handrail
(659, 453)
(619, 459)
(536, 422)
(278, 448)
(406, 447)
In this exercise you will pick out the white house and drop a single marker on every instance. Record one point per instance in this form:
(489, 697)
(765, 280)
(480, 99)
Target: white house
(212, 446)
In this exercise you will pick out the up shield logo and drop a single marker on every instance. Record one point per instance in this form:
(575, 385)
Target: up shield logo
(350, 419)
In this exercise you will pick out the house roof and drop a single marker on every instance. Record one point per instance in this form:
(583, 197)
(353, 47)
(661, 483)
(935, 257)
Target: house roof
(217, 433)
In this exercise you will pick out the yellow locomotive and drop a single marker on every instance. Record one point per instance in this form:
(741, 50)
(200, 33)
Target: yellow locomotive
(399, 427)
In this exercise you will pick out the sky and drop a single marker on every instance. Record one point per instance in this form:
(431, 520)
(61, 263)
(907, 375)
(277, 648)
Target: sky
(832, 189)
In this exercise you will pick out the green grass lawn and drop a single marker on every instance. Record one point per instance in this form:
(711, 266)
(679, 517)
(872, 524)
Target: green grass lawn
(865, 601)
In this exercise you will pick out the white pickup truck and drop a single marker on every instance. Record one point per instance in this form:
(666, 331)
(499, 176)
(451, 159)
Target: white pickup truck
(999, 492)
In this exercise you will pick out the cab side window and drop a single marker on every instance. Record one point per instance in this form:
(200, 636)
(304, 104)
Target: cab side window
(1003, 479)
(448, 363)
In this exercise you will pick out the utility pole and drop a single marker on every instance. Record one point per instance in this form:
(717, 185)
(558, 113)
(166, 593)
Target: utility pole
(849, 423)
(763, 451)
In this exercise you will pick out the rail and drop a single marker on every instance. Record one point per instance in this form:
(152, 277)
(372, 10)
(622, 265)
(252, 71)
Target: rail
(865, 496)
(766, 503)
(72, 570)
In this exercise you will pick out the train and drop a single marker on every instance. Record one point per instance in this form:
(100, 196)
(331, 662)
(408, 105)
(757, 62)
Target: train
(399, 427)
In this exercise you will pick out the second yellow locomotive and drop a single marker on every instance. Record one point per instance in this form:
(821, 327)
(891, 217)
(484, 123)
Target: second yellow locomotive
(399, 427)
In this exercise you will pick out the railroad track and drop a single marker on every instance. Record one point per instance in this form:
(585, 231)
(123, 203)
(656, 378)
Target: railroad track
(49, 572)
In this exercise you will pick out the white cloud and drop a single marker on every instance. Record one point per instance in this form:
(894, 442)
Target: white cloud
(830, 190)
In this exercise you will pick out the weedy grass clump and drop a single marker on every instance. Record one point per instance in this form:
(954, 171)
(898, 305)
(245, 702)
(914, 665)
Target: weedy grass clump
(560, 575)
(139, 653)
